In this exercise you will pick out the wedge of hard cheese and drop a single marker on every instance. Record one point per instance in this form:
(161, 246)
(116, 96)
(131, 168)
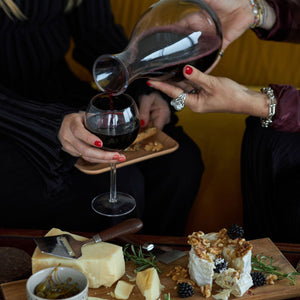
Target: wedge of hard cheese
(102, 263)
(123, 290)
(148, 283)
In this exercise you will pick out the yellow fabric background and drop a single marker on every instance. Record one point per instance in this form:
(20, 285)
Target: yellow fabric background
(248, 61)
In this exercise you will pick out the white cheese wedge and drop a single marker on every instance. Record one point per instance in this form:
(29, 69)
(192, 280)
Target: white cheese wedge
(123, 289)
(223, 295)
(244, 284)
(237, 282)
(148, 283)
(102, 263)
(242, 264)
(227, 279)
(201, 271)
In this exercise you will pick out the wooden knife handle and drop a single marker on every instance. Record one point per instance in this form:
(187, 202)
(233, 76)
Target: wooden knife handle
(126, 227)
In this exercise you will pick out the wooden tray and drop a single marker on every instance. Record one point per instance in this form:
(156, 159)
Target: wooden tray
(281, 290)
(133, 157)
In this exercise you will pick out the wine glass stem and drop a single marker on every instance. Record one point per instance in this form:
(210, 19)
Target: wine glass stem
(113, 183)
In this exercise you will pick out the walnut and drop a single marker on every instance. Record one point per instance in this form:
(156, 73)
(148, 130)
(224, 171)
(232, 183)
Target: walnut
(215, 251)
(180, 274)
(206, 242)
(205, 290)
(223, 233)
(134, 147)
(217, 247)
(271, 278)
(192, 241)
(195, 237)
(153, 146)
(242, 247)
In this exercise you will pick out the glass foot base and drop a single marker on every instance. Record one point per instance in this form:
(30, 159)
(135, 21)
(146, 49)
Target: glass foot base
(123, 206)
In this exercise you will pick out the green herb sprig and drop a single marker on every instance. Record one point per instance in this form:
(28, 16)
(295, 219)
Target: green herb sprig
(142, 260)
(167, 296)
(264, 264)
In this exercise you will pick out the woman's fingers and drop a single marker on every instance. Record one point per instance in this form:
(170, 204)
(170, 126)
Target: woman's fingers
(197, 77)
(78, 141)
(167, 88)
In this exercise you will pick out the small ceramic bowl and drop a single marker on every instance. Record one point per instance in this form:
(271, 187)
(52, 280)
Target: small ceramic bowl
(63, 273)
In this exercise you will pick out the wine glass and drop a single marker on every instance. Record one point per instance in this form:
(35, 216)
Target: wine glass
(115, 120)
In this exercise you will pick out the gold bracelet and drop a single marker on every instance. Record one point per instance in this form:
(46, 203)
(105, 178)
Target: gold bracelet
(258, 13)
(265, 122)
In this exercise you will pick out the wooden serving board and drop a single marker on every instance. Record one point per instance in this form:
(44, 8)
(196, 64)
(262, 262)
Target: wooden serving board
(132, 157)
(281, 290)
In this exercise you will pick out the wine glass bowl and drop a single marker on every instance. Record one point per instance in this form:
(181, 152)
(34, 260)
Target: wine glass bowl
(115, 120)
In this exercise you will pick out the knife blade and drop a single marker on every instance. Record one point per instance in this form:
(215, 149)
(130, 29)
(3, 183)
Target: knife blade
(166, 254)
(163, 254)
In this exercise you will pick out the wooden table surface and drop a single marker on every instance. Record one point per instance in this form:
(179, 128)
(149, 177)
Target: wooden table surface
(23, 239)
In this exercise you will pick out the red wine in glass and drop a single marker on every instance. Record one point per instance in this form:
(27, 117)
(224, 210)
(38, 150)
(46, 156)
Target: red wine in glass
(115, 134)
(118, 139)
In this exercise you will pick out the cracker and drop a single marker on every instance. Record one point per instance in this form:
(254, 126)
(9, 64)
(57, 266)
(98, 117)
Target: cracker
(145, 134)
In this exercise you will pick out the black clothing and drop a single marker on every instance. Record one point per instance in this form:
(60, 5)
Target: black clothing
(270, 183)
(270, 159)
(40, 187)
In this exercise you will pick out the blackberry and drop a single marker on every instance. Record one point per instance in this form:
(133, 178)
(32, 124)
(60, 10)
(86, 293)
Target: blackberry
(220, 265)
(184, 289)
(235, 231)
(258, 278)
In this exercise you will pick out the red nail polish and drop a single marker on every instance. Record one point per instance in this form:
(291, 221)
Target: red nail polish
(116, 156)
(142, 123)
(98, 144)
(188, 70)
(148, 83)
(121, 158)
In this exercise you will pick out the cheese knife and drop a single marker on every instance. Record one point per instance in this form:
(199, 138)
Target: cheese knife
(64, 245)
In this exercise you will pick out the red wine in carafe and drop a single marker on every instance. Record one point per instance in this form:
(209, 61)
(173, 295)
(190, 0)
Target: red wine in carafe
(164, 51)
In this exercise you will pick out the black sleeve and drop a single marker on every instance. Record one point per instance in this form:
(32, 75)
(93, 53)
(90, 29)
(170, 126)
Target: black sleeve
(34, 126)
(95, 32)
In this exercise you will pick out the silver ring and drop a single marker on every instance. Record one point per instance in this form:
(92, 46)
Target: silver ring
(178, 103)
(221, 53)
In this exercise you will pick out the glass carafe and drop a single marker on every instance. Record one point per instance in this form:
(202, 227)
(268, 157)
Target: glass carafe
(170, 34)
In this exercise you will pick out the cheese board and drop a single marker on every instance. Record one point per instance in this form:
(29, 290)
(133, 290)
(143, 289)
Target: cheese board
(280, 290)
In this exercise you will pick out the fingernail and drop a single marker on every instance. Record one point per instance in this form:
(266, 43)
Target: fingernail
(188, 70)
(116, 156)
(121, 158)
(148, 83)
(98, 144)
(142, 123)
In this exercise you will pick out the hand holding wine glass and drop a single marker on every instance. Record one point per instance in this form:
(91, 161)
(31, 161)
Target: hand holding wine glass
(115, 120)
(77, 141)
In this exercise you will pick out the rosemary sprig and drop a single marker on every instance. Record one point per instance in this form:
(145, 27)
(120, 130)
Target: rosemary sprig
(141, 259)
(167, 296)
(264, 264)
